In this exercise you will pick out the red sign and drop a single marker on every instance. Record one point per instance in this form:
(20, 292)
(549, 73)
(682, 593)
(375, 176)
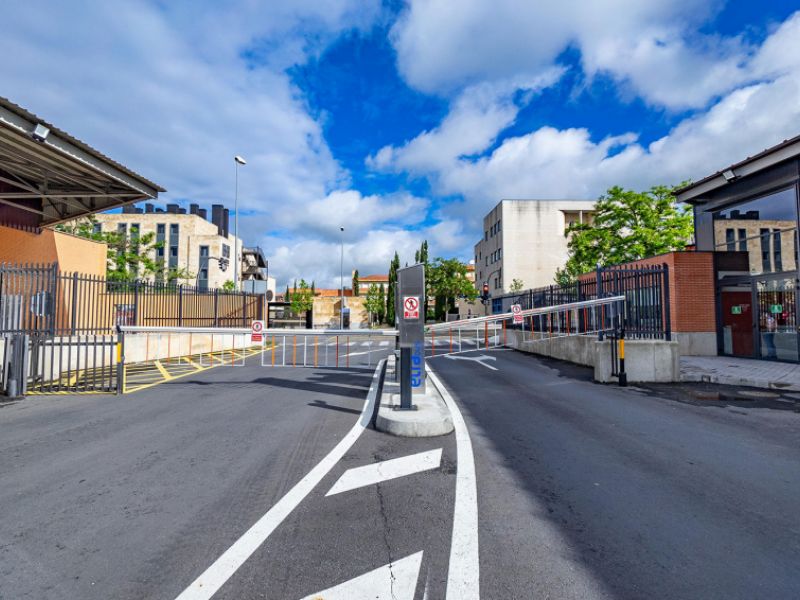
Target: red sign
(516, 310)
(410, 307)
(257, 331)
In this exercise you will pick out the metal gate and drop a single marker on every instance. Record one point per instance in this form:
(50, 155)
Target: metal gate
(72, 364)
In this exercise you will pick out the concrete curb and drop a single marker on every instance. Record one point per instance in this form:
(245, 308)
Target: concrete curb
(431, 419)
(738, 381)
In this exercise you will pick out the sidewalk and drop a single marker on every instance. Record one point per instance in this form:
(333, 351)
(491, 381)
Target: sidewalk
(741, 371)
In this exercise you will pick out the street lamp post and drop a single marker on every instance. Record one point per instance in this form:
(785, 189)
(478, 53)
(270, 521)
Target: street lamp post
(238, 160)
(486, 282)
(341, 277)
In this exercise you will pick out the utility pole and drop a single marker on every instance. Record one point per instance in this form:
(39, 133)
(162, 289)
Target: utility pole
(341, 278)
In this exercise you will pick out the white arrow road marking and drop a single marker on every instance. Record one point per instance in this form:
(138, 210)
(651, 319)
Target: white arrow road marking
(478, 359)
(386, 470)
(395, 581)
(215, 576)
(463, 577)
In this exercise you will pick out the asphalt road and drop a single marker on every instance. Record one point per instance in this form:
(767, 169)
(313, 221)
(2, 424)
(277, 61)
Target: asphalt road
(593, 491)
(136, 496)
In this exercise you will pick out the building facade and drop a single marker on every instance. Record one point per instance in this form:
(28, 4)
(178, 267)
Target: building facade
(190, 242)
(368, 280)
(525, 240)
(747, 215)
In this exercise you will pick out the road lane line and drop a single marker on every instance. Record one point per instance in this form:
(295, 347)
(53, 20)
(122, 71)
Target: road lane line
(215, 576)
(395, 581)
(463, 576)
(386, 470)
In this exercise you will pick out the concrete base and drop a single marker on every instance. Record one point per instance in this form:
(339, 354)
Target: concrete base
(430, 419)
(696, 343)
(645, 360)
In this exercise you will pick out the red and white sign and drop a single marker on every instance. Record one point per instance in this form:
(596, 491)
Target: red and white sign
(410, 307)
(257, 331)
(516, 311)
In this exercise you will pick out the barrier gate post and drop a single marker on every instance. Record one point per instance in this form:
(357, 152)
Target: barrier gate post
(411, 302)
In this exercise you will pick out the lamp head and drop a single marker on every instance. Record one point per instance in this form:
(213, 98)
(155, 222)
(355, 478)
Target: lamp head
(240, 160)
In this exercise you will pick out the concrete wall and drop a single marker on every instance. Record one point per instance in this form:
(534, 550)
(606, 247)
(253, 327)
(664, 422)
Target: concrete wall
(645, 360)
(327, 311)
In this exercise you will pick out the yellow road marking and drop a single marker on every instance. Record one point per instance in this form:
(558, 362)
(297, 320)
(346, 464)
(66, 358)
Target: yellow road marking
(164, 372)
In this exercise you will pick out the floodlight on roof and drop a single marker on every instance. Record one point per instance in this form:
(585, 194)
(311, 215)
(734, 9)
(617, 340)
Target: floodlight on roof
(40, 132)
(729, 175)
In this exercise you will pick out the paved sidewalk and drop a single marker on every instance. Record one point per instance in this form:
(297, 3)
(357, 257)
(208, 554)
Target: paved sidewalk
(741, 371)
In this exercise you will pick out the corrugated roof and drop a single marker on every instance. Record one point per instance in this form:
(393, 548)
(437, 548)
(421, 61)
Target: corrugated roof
(28, 115)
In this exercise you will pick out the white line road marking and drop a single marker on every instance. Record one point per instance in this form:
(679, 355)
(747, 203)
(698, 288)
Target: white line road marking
(395, 581)
(478, 359)
(213, 578)
(463, 574)
(386, 470)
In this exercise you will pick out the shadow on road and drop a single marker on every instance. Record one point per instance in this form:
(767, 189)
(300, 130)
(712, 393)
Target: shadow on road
(323, 404)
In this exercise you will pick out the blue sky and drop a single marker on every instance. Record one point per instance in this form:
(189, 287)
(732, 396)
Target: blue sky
(405, 121)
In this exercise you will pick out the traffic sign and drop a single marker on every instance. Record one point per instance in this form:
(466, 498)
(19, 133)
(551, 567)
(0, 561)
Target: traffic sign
(257, 331)
(516, 310)
(410, 307)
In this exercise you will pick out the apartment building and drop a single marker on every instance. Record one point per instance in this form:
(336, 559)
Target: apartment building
(525, 240)
(191, 242)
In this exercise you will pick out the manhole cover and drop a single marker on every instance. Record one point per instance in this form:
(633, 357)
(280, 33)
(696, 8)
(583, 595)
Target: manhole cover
(755, 394)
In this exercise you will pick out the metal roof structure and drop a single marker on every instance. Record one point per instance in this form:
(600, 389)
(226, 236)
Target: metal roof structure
(48, 177)
(786, 150)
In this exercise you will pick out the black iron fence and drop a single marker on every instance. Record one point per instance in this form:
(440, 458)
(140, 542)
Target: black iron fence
(646, 291)
(41, 299)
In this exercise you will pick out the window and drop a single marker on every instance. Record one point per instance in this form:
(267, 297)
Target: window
(203, 251)
(776, 250)
(202, 274)
(754, 223)
(486, 236)
(97, 228)
(174, 236)
(226, 251)
(765, 263)
(161, 229)
(730, 241)
(122, 229)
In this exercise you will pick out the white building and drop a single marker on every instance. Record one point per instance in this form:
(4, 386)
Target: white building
(525, 240)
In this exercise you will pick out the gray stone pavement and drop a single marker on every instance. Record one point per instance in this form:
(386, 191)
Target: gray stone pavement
(741, 371)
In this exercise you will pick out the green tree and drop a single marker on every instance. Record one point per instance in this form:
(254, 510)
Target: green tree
(128, 257)
(627, 225)
(287, 297)
(302, 298)
(355, 283)
(374, 302)
(447, 281)
(390, 292)
(228, 286)
(516, 285)
(421, 257)
(382, 310)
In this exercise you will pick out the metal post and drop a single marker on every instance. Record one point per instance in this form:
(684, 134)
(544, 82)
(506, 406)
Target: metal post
(405, 379)
(341, 278)
(180, 305)
(74, 302)
(623, 377)
(667, 319)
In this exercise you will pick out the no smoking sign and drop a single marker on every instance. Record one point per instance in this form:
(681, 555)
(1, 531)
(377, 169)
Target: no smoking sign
(410, 307)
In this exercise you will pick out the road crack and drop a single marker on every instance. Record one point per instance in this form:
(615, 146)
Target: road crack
(386, 536)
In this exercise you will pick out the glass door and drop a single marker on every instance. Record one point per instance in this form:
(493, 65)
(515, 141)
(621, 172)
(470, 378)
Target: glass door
(776, 318)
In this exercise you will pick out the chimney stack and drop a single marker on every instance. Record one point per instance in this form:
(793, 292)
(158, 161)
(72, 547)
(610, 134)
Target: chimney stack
(218, 217)
(226, 218)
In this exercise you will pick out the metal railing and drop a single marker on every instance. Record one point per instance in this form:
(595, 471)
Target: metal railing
(646, 292)
(41, 299)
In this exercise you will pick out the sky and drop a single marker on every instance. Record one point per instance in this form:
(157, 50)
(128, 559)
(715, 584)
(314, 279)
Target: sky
(404, 120)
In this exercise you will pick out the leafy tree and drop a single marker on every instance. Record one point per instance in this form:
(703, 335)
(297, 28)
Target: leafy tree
(302, 298)
(446, 282)
(627, 226)
(374, 302)
(128, 257)
(355, 283)
(516, 285)
(390, 292)
(382, 310)
(228, 286)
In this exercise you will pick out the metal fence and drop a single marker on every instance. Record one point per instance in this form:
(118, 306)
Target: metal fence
(41, 299)
(646, 292)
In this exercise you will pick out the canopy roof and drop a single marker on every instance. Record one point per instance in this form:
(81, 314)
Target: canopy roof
(47, 176)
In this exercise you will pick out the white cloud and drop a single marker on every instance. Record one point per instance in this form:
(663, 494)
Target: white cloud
(652, 47)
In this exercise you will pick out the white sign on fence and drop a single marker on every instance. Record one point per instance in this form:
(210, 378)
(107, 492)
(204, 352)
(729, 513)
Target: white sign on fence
(516, 311)
(257, 331)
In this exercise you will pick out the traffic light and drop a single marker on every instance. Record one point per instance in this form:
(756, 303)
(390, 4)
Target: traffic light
(485, 294)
